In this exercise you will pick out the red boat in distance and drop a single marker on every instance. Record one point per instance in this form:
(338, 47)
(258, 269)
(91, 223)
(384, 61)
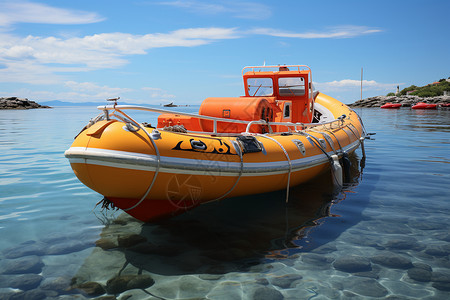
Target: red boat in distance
(422, 105)
(391, 105)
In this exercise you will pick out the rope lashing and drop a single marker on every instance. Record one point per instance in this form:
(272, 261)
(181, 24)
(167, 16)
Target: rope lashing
(158, 159)
(288, 160)
(336, 168)
(239, 152)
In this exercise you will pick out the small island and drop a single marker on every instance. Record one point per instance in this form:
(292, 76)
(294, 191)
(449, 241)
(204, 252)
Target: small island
(19, 103)
(433, 93)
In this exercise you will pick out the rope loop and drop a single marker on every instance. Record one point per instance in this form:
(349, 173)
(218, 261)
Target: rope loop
(288, 160)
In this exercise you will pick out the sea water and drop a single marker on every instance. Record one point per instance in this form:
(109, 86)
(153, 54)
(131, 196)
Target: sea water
(385, 234)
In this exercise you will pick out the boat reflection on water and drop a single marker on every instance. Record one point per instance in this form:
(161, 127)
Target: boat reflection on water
(222, 237)
(309, 215)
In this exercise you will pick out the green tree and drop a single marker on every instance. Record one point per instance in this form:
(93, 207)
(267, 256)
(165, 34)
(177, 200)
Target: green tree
(410, 88)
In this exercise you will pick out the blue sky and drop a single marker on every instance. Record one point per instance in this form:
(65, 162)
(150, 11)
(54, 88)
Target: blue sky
(154, 52)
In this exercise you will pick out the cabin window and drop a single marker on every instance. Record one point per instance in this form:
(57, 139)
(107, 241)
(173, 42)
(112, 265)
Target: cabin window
(260, 86)
(287, 110)
(291, 86)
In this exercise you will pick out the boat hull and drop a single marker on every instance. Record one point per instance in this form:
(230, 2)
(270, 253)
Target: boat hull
(392, 105)
(185, 170)
(422, 105)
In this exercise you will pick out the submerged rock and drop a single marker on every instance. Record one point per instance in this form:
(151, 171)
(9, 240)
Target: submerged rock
(130, 240)
(24, 265)
(286, 281)
(67, 247)
(437, 250)
(106, 298)
(404, 243)
(226, 290)
(441, 281)
(192, 287)
(122, 283)
(419, 274)
(92, 288)
(367, 287)
(267, 293)
(35, 294)
(106, 244)
(26, 249)
(25, 282)
(392, 260)
(421, 265)
(316, 259)
(58, 284)
(352, 264)
(441, 277)
(442, 286)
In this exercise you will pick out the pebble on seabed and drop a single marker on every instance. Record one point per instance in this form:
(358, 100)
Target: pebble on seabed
(352, 264)
(23, 265)
(392, 260)
(124, 240)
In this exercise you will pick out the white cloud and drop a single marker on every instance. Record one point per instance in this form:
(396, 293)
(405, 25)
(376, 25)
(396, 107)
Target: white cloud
(93, 87)
(75, 92)
(35, 59)
(158, 93)
(12, 12)
(111, 46)
(242, 10)
(332, 32)
(51, 55)
(351, 84)
(26, 71)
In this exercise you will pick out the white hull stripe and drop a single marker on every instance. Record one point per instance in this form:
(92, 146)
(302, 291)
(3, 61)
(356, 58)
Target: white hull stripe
(147, 162)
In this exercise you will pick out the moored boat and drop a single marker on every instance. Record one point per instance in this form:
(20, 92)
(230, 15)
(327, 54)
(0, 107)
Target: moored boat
(280, 134)
(423, 105)
(391, 105)
(444, 106)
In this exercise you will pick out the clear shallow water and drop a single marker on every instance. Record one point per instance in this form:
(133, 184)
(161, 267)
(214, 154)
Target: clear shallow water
(385, 235)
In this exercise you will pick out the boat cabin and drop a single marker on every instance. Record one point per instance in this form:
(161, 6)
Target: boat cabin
(289, 86)
(272, 94)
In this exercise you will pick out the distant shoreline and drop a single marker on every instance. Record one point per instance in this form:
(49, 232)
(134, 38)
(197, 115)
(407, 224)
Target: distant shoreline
(406, 100)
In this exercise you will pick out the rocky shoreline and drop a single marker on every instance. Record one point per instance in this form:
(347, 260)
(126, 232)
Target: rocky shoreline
(406, 100)
(19, 103)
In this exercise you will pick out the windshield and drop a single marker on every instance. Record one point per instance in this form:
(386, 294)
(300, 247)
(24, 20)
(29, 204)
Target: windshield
(291, 86)
(260, 86)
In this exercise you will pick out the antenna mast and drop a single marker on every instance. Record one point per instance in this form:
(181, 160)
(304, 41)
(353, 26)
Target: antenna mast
(361, 81)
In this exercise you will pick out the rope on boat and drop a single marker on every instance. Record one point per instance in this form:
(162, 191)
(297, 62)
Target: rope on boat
(106, 204)
(339, 143)
(158, 158)
(333, 159)
(364, 131)
(239, 151)
(324, 136)
(353, 131)
(345, 160)
(288, 160)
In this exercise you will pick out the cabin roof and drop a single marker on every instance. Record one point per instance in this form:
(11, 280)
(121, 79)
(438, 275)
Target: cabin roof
(288, 70)
(278, 73)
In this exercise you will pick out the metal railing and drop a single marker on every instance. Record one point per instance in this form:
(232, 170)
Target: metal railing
(107, 108)
(298, 67)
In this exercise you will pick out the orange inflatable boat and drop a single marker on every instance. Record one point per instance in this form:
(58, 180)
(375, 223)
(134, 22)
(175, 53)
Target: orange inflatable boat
(280, 134)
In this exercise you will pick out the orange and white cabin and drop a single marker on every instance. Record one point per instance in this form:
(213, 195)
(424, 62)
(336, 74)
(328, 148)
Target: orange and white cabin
(280, 134)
